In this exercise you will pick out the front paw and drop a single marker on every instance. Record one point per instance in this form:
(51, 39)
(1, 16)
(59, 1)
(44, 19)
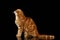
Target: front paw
(18, 36)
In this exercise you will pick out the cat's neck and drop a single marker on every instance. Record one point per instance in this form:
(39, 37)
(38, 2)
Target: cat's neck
(21, 18)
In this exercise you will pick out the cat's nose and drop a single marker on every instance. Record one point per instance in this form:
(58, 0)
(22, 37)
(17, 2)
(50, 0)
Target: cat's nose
(14, 12)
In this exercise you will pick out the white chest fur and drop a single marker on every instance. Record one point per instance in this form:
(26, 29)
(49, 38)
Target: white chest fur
(16, 17)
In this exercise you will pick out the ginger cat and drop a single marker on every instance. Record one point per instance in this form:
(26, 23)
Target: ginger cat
(27, 25)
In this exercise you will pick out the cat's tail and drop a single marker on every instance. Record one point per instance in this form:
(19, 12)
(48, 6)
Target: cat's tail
(46, 36)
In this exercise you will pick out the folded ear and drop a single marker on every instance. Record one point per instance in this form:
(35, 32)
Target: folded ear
(19, 11)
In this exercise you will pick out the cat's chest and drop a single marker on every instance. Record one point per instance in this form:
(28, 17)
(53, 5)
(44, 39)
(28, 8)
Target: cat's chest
(18, 21)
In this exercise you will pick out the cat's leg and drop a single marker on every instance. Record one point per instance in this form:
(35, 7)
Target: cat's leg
(34, 33)
(19, 33)
(20, 28)
(25, 35)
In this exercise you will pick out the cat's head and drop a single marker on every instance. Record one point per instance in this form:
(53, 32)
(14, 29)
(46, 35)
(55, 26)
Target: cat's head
(18, 12)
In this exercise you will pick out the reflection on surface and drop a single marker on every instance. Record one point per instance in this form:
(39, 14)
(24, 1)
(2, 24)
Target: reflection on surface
(18, 38)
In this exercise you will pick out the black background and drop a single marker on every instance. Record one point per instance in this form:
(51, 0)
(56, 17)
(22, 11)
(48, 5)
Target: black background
(43, 13)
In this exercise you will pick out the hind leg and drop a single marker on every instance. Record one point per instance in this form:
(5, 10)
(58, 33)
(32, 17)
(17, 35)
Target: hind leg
(34, 33)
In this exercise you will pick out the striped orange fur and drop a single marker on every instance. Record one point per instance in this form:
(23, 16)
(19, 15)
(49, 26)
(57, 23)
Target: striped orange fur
(28, 26)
